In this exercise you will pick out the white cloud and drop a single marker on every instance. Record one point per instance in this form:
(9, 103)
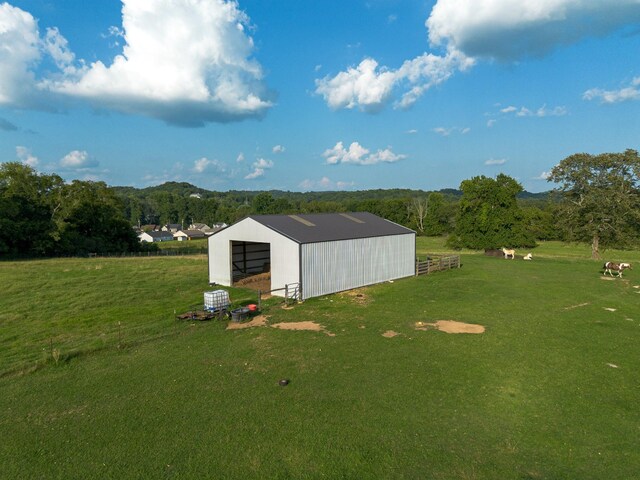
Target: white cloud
(495, 161)
(412, 131)
(491, 122)
(186, 62)
(19, 50)
(257, 173)
(78, 160)
(240, 158)
(114, 32)
(512, 29)
(370, 88)
(203, 165)
(324, 184)
(445, 132)
(630, 92)
(358, 155)
(543, 176)
(57, 47)
(543, 111)
(361, 86)
(263, 163)
(278, 149)
(26, 157)
(260, 167)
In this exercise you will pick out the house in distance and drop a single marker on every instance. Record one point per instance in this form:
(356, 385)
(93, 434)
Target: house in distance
(317, 253)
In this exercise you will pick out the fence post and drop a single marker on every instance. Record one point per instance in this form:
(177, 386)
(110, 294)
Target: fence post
(259, 299)
(286, 295)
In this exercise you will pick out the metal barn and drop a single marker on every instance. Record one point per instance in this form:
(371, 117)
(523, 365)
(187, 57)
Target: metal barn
(317, 253)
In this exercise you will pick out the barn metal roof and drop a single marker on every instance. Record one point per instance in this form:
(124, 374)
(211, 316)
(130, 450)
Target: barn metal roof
(325, 227)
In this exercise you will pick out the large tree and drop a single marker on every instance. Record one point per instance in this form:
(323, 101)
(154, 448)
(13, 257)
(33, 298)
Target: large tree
(28, 202)
(90, 219)
(489, 216)
(600, 201)
(438, 214)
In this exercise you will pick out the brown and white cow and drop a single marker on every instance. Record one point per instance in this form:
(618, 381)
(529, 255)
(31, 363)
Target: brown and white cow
(615, 267)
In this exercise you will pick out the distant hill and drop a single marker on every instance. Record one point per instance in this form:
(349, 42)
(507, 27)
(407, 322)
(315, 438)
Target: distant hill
(182, 189)
(185, 189)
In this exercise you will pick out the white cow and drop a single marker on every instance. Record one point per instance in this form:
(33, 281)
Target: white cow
(507, 252)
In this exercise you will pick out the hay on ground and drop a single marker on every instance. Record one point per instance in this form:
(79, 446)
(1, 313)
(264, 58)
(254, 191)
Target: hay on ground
(261, 281)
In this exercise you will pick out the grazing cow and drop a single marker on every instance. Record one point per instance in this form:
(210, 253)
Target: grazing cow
(615, 267)
(528, 256)
(508, 253)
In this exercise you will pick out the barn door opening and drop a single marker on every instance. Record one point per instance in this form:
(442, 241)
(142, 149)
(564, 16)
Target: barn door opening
(251, 265)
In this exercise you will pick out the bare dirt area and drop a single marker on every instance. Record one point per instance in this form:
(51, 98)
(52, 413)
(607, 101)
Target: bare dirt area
(390, 334)
(450, 326)
(358, 296)
(261, 281)
(257, 321)
(308, 325)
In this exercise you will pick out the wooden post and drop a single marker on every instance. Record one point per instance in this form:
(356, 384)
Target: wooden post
(259, 299)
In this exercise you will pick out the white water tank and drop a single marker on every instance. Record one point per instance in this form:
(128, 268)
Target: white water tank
(216, 300)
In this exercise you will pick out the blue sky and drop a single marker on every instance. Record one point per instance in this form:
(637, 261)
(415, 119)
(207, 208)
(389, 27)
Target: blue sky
(303, 95)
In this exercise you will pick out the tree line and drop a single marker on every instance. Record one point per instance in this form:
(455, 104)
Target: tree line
(41, 215)
(596, 200)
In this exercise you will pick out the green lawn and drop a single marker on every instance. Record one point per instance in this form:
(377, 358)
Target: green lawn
(548, 391)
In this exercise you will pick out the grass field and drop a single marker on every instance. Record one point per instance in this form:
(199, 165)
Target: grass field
(548, 391)
(198, 244)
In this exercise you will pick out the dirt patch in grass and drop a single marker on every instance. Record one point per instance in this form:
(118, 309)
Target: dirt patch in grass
(312, 326)
(450, 326)
(390, 334)
(607, 278)
(258, 321)
(358, 296)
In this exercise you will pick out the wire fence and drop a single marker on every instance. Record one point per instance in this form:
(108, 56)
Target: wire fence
(168, 252)
(57, 347)
(61, 347)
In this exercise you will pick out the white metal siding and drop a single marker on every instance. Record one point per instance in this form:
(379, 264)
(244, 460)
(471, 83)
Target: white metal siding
(284, 253)
(330, 267)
